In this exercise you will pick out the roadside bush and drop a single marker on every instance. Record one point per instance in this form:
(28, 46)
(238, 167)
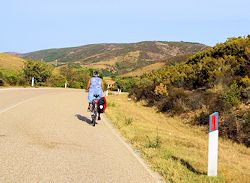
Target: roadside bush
(125, 84)
(76, 77)
(180, 101)
(231, 97)
(237, 128)
(1, 82)
(56, 80)
(155, 143)
(1, 79)
(40, 70)
(245, 81)
(144, 91)
(12, 80)
(75, 84)
(202, 119)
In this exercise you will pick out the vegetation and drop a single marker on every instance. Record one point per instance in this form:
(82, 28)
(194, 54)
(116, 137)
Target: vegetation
(176, 150)
(11, 70)
(12, 78)
(216, 79)
(39, 70)
(76, 77)
(45, 74)
(125, 83)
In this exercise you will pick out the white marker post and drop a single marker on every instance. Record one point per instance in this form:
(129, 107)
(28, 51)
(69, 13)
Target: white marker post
(213, 144)
(65, 85)
(32, 81)
(107, 92)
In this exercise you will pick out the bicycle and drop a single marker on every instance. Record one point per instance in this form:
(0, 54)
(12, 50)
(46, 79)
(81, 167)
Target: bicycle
(94, 109)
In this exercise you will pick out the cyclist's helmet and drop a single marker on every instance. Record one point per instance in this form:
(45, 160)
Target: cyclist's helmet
(95, 74)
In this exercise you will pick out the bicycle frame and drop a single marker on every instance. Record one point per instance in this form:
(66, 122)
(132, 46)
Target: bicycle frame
(94, 111)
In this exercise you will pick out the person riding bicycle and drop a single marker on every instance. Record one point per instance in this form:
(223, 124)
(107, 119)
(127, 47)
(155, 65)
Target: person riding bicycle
(95, 87)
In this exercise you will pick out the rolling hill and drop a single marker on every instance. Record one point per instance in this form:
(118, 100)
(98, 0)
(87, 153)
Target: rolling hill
(120, 58)
(11, 62)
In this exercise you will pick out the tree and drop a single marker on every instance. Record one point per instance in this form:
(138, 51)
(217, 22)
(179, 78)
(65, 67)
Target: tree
(40, 70)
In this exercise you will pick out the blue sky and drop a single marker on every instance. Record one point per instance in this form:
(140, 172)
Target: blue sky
(29, 25)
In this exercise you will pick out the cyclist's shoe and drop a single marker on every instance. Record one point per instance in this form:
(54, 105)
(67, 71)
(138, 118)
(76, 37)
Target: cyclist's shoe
(99, 118)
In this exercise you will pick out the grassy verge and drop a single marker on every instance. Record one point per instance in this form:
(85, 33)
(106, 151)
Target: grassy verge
(176, 150)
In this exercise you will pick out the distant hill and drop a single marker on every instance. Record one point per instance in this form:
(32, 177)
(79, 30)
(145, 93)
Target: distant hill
(115, 57)
(11, 62)
(14, 54)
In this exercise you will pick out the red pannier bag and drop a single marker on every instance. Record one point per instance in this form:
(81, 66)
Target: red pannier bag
(102, 105)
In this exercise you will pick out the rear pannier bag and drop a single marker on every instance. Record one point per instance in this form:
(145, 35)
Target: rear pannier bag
(102, 105)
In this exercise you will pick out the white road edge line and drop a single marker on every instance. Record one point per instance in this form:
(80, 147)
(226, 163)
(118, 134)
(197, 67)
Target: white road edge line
(19, 103)
(44, 88)
(15, 105)
(155, 175)
(13, 89)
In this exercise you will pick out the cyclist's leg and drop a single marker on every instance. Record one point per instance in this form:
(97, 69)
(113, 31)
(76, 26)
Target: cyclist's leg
(90, 99)
(99, 116)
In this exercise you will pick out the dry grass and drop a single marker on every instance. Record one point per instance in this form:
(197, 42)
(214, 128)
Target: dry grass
(174, 149)
(96, 66)
(146, 69)
(11, 62)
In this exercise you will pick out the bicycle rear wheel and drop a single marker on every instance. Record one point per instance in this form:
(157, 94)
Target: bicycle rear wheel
(94, 115)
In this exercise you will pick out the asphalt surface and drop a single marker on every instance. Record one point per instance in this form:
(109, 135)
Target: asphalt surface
(45, 136)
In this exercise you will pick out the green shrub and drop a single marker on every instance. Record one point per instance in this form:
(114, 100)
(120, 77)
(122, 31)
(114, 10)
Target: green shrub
(1, 82)
(41, 71)
(12, 80)
(155, 143)
(75, 84)
(76, 77)
(231, 97)
(237, 128)
(56, 80)
(128, 120)
(126, 83)
(1, 79)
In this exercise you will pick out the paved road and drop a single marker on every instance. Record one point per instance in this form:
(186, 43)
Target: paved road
(45, 137)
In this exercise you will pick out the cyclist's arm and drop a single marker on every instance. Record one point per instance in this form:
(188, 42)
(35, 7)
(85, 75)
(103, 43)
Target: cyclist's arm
(88, 85)
(102, 85)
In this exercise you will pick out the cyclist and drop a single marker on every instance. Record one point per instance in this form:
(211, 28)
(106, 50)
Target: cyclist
(95, 87)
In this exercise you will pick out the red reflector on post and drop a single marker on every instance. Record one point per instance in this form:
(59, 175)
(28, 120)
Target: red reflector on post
(213, 123)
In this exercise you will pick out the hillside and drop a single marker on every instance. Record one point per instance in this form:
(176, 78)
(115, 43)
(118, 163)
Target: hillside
(216, 79)
(11, 62)
(117, 58)
(145, 69)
